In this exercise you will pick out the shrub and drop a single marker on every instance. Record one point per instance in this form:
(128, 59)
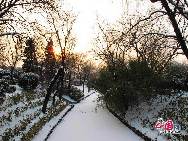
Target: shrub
(4, 73)
(28, 81)
(11, 89)
(2, 98)
(75, 94)
(104, 81)
(176, 71)
(5, 87)
(122, 86)
(77, 82)
(175, 77)
(11, 78)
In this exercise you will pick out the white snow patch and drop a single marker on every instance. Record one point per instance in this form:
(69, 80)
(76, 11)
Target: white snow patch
(18, 90)
(48, 126)
(87, 122)
(68, 98)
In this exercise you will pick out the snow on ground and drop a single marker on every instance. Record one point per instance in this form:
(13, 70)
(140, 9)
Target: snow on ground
(18, 90)
(20, 111)
(185, 94)
(48, 126)
(68, 98)
(144, 115)
(87, 122)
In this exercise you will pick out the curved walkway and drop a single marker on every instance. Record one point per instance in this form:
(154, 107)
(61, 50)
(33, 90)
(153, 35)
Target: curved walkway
(89, 122)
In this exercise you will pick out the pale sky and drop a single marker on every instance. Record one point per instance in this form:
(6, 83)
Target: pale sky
(109, 10)
(87, 10)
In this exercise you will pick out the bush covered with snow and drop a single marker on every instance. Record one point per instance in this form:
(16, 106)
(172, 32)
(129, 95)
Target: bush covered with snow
(4, 73)
(29, 80)
(176, 71)
(11, 77)
(2, 97)
(75, 94)
(5, 87)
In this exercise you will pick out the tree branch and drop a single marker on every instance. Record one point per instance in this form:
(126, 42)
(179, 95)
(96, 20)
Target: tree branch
(9, 33)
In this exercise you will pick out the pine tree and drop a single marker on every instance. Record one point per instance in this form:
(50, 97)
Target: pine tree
(50, 61)
(30, 61)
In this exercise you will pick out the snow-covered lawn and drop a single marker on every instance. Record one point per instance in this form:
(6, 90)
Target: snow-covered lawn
(144, 115)
(89, 122)
(21, 116)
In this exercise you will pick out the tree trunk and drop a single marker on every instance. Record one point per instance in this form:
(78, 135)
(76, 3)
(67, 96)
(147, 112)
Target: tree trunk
(179, 35)
(12, 73)
(70, 76)
(83, 86)
(60, 73)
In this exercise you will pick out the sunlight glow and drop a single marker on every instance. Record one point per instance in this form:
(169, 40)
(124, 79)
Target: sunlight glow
(57, 50)
(88, 10)
(109, 10)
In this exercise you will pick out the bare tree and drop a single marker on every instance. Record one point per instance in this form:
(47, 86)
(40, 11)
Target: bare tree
(12, 19)
(11, 52)
(8, 5)
(150, 44)
(173, 10)
(62, 24)
(9, 8)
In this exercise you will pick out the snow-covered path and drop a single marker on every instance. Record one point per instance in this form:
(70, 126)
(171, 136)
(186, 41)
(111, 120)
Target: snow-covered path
(87, 122)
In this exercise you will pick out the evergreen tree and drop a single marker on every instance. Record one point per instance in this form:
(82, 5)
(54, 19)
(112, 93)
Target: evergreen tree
(50, 61)
(30, 61)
